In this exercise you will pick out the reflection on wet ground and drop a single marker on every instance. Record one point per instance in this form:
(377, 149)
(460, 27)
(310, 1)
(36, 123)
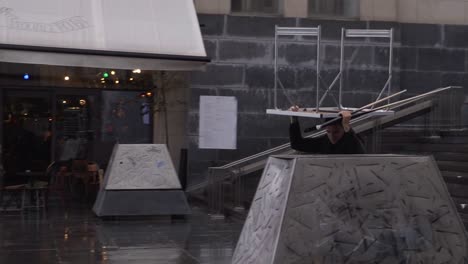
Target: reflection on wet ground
(75, 235)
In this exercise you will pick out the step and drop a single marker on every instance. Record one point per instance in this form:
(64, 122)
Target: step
(453, 166)
(454, 132)
(443, 140)
(430, 148)
(457, 190)
(451, 156)
(455, 177)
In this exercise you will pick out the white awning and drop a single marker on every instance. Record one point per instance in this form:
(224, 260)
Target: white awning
(121, 34)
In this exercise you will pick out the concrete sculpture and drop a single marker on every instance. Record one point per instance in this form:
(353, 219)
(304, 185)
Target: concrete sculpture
(352, 209)
(140, 180)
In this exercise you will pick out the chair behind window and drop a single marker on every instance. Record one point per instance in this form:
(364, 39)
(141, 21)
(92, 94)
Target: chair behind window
(79, 169)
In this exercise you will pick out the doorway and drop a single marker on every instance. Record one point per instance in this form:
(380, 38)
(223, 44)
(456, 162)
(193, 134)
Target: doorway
(27, 132)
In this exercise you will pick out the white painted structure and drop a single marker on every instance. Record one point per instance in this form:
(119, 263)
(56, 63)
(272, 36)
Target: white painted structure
(144, 34)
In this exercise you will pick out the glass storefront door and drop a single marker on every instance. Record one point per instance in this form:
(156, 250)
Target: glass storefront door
(27, 131)
(76, 122)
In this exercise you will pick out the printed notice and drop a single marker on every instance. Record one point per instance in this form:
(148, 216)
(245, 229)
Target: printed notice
(218, 122)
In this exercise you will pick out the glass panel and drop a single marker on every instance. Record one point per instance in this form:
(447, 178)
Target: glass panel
(27, 133)
(126, 117)
(75, 131)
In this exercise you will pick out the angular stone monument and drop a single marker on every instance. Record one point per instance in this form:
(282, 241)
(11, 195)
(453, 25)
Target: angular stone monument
(352, 209)
(140, 180)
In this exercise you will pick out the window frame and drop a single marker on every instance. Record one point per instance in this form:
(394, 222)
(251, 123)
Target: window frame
(279, 12)
(356, 7)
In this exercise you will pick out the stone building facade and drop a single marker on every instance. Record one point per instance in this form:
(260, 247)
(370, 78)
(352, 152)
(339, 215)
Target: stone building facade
(429, 52)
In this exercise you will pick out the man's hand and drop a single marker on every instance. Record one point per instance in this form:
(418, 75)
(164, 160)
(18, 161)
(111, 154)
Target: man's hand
(346, 117)
(294, 108)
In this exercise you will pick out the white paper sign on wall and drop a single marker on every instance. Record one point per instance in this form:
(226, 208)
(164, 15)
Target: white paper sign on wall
(218, 122)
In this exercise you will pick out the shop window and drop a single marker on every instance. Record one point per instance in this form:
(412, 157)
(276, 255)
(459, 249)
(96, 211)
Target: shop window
(75, 132)
(333, 8)
(127, 117)
(27, 132)
(255, 6)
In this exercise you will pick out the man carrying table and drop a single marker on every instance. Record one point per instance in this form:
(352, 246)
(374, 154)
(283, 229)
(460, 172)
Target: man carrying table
(340, 137)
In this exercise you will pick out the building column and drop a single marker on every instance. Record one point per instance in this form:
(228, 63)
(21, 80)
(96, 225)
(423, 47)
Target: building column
(170, 103)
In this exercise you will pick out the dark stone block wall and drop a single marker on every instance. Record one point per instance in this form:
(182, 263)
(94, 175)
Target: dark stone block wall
(242, 51)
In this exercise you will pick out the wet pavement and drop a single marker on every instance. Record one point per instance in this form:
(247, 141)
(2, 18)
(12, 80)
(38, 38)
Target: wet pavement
(75, 235)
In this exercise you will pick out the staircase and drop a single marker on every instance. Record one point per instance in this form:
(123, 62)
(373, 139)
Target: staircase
(448, 147)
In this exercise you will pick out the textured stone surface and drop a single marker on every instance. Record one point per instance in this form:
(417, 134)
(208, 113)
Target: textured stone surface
(263, 77)
(210, 48)
(141, 166)
(364, 80)
(381, 55)
(217, 74)
(408, 58)
(460, 79)
(251, 100)
(352, 209)
(140, 180)
(455, 36)
(453, 60)
(211, 24)
(243, 51)
(257, 27)
(423, 35)
(258, 238)
(331, 29)
(297, 54)
(264, 126)
(429, 59)
(417, 82)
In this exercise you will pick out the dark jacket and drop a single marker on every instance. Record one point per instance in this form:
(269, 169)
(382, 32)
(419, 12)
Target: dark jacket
(348, 144)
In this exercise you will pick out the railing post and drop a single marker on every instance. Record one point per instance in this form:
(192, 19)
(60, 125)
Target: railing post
(215, 194)
(239, 187)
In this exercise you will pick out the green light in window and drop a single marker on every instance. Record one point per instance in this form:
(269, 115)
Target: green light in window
(105, 75)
